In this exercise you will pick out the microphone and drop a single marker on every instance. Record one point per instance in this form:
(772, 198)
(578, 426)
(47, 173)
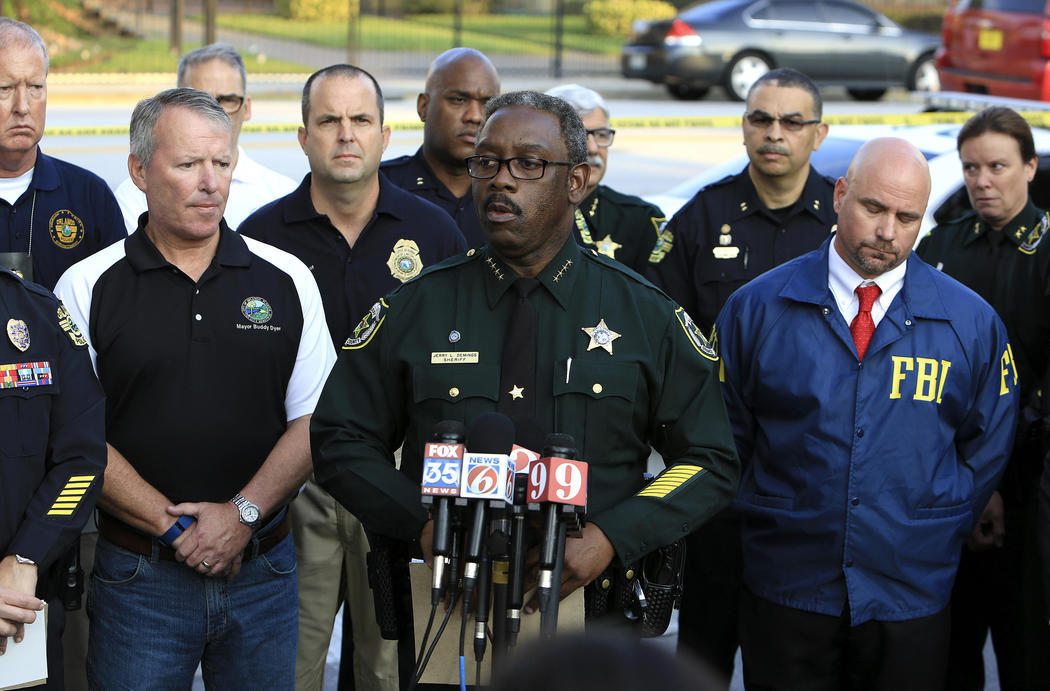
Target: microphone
(559, 482)
(442, 463)
(528, 435)
(486, 478)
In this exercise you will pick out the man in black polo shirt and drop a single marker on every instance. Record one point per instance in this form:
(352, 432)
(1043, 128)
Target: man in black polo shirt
(459, 84)
(211, 349)
(52, 213)
(362, 237)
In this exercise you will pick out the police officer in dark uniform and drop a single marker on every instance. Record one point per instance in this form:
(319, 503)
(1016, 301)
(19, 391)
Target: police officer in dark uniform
(52, 213)
(53, 449)
(617, 364)
(1000, 250)
(776, 209)
(362, 236)
(620, 226)
(459, 84)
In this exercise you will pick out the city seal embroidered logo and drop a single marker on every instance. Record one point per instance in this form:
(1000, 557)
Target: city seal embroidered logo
(67, 231)
(404, 262)
(257, 310)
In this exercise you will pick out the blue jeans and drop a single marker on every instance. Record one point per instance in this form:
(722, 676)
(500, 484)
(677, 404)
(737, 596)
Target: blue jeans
(153, 621)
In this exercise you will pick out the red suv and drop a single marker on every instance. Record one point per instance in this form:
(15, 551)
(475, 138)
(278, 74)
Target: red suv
(996, 47)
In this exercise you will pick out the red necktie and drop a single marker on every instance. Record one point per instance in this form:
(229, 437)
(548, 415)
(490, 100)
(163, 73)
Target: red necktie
(863, 326)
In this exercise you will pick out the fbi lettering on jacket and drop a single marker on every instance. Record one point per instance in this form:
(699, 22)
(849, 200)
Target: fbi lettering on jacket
(923, 378)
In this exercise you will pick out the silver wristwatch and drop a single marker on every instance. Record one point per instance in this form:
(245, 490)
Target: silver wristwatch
(249, 512)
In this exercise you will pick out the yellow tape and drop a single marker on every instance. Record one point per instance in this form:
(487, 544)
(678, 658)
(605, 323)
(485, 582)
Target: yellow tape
(1034, 118)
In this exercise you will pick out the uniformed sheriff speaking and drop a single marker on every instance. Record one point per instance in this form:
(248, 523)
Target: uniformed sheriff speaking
(617, 365)
(873, 401)
(212, 349)
(1000, 251)
(361, 236)
(459, 84)
(219, 70)
(776, 209)
(618, 225)
(54, 213)
(52, 456)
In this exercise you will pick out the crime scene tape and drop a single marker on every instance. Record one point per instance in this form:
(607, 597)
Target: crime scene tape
(1034, 118)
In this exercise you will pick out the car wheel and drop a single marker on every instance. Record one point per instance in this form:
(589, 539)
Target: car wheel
(745, 69)
(866, 94)
(923, 76)
(684, 92)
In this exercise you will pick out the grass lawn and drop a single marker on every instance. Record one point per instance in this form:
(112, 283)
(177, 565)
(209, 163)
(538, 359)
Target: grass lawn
(432, 32)
(117, 54)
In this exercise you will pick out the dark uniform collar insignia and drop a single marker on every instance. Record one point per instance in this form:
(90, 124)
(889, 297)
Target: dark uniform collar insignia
(559, 276)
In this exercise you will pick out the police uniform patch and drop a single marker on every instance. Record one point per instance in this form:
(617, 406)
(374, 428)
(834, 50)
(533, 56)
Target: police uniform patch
(18, 333)
(257, 310)
(66, 323)
(67, 231)
(367, 327)
(1035, 236)
(404, 261)
(696, 337)
(664, 243)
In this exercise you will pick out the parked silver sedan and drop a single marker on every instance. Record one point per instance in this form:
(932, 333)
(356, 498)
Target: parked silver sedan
(733, 42)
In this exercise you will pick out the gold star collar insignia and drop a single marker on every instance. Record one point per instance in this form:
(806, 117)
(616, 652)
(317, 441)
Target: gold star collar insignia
(601, 336)
(516, 393)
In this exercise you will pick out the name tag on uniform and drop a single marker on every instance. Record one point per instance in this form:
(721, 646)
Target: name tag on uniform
(725, 252)
(455, 357)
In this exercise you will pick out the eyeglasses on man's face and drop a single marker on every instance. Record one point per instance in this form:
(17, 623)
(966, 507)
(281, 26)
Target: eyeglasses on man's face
(603, 136)
(791, 123)
(231, 103)
(520, 167)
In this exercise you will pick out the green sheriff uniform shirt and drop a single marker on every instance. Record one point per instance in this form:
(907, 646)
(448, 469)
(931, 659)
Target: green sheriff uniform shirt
(620, 226)
(431, 351)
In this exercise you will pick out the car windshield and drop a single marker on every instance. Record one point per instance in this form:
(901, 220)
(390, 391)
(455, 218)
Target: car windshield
(713, 11)
(834, 156)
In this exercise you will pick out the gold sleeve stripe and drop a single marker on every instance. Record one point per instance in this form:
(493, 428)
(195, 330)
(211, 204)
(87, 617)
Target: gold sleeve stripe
(670, 480)
(72, 494)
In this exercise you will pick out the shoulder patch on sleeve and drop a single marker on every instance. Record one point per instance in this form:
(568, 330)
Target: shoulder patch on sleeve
(66, 323)
(696, 337)
(367, 327)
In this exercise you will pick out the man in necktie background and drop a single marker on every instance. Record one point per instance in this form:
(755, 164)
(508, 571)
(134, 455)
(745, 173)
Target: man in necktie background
(873, 402)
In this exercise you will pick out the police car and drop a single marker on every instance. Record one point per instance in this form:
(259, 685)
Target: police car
(948, 199)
